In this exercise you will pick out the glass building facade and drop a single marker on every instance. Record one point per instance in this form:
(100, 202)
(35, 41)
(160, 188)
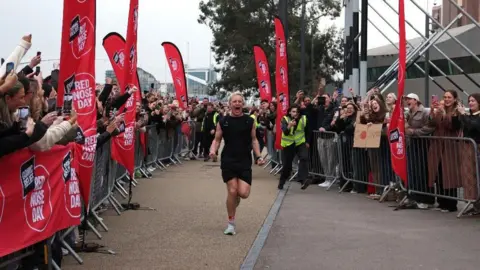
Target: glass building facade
(145, 79)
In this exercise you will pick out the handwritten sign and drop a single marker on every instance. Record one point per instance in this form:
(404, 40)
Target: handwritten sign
(367, 136)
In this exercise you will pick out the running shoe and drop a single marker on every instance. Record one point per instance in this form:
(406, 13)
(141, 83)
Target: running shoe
(230, 230)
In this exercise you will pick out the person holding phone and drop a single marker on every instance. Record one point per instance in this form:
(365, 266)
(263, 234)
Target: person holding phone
(295, 138)
(442, 165)
(17, 128)
(8, 81)
(16, 56)
(15, 141)
(325, 141)
(58, 128)
(34, 64)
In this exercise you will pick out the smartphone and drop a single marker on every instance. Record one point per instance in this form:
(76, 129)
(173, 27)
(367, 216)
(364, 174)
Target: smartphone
(121, 127)
(321, 100)
(39, 53)
(2, 61)
(358, 99)
(434, 99)
(112, 114)
(52, 102)
(37, 70)
(152, 85)
(67, 104)
(23, 115)
(59, 111)
(9, 67)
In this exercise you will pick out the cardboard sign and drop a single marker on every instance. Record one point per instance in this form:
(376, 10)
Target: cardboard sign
(367, 136)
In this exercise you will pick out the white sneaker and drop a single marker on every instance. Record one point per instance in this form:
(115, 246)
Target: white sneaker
(325, 184)
(151, 169)
(422, 206)
(230, 229)
(64, 252)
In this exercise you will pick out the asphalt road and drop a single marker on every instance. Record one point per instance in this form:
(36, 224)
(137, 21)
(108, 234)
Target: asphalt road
(318, 229)
(186, 231)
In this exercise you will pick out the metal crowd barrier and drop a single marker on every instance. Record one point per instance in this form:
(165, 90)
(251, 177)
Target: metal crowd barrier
(16, 257)
(443, 170)
(324, 157)
(28, 257)
(273, 156)
(186, 140)
(166, 146)
(361, 167)
(108, 178)
(140, 153)
(152, 146)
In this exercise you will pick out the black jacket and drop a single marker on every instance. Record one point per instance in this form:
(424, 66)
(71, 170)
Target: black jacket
(13, 140)
(345, 125)
(471, 126)
(325, 116)
(208, 123)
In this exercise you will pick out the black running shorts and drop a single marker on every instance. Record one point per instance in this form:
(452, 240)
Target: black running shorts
(244, 175)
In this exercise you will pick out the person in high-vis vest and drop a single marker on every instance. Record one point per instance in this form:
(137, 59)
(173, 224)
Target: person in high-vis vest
(259, 130)
(208, 129)
(294, 142)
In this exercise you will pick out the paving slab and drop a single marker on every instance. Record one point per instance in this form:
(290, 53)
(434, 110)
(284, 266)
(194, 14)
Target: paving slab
(318, 229)
(186, 231)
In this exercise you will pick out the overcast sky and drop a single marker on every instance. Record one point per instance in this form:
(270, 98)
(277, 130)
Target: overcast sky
(159, 21)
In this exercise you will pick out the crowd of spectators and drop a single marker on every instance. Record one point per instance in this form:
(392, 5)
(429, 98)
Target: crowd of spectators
(438, 162)
(439, 168)
(30, 118)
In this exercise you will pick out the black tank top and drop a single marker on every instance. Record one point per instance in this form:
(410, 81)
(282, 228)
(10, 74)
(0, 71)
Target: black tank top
(237, 150)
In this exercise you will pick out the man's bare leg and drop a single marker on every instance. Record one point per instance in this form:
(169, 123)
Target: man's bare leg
(232, 195)
(243, 189)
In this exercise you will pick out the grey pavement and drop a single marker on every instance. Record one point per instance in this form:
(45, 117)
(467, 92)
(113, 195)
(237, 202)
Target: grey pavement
(318, 229)
(186, 231)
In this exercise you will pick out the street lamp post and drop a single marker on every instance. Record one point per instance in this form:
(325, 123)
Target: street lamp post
(283, 14)
(302, 45)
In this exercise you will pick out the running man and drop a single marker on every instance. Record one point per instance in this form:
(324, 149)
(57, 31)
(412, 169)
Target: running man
(239, 133)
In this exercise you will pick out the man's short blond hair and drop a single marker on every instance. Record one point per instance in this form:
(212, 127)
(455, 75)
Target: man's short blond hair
(236, 93)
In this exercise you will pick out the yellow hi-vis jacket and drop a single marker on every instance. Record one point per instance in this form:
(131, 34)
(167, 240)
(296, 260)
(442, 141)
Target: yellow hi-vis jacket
(215, 120)
(255, 120)
(296, 135)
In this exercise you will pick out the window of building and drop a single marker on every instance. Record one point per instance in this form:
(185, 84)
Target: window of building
(200, 75)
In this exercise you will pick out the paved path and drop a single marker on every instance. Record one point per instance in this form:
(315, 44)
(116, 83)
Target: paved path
(317, 229)
(187, 230)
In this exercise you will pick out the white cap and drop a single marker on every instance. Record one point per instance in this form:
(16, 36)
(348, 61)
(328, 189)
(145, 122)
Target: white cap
(413, 96)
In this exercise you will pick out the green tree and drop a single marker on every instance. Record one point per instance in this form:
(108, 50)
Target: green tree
(238, 25)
